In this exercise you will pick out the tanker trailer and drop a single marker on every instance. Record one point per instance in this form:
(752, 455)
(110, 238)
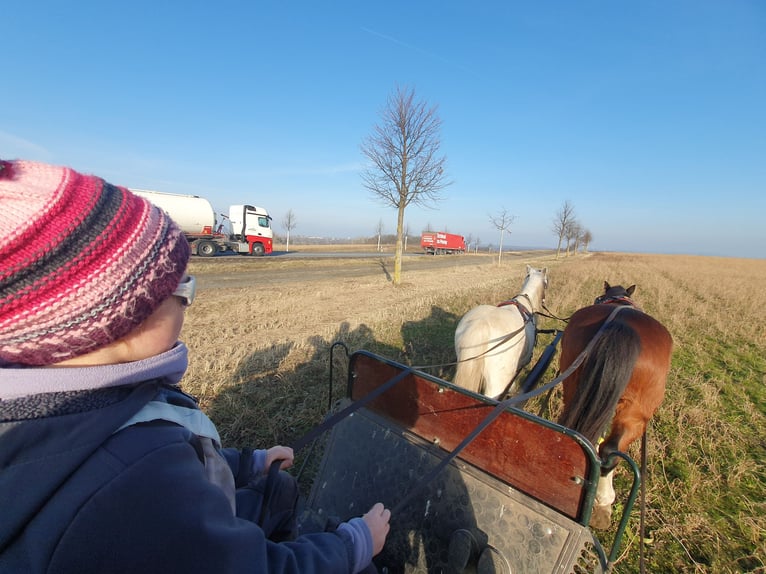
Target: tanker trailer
(250, 226)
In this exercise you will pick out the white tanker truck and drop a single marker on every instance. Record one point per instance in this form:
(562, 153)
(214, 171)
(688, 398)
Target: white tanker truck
(249, 226)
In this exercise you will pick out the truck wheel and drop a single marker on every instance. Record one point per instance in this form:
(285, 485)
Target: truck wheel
(258, 249)
(206, 249)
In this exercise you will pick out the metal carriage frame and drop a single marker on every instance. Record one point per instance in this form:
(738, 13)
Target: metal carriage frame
(476, 486)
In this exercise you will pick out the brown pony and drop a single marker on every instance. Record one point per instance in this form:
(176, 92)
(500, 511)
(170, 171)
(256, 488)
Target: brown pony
(622, 379)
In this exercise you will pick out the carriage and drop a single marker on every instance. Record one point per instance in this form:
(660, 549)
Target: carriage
(476, 485)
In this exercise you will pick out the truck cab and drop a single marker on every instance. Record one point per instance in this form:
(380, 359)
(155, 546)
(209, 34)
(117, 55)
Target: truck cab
(252, 225)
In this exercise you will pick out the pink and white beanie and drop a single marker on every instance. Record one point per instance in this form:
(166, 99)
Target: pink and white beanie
(82, 262)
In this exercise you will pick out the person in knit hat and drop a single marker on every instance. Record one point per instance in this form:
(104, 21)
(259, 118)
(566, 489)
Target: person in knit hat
(105, 464)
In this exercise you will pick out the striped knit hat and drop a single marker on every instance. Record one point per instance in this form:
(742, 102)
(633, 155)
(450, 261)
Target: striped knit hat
(82, 262)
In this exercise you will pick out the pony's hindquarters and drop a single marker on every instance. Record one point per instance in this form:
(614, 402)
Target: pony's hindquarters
(622, 380)
(646, 389)
(489, 343)
(593, 390)
(471, 338)
(469, 373)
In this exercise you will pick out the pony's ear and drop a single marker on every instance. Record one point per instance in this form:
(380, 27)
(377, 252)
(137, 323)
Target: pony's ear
(528, 268)
(630, 290)
(607, 286)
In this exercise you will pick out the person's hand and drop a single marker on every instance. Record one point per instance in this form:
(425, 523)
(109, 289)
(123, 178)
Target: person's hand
(284, 453)
(377, 521)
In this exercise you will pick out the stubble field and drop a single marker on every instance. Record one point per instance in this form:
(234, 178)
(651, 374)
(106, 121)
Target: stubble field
(260, 363)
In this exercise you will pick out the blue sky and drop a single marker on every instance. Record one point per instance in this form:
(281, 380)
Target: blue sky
(649, 117)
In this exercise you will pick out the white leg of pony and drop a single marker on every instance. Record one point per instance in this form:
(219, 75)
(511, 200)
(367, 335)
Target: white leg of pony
(602, 507)
(500, 364)
(605, 491)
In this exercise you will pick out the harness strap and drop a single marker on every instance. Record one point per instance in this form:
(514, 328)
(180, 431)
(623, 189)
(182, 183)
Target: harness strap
(616, 300)
(331, 421)
(526, 314)
(642, 516)
(552, 315)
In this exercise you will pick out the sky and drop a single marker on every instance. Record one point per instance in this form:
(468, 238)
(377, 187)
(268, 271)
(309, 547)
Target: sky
(648, 117)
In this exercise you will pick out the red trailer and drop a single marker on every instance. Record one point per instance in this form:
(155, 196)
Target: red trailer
(441, 243)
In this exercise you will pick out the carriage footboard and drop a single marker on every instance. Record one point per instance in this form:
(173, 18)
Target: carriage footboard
(463, 516)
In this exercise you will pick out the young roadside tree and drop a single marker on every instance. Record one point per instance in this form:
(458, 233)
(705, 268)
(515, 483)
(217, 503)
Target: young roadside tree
(502, 221)
(405, 165)
(576, 235)
(561, 222)
(379, 232)
(406, 236)
(468, 242)
(571, 234)
(587, 237)
(289, 222)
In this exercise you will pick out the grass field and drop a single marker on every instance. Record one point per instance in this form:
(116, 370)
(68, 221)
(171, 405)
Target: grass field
(259, 362)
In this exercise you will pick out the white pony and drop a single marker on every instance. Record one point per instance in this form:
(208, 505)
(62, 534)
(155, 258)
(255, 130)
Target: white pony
(493, 343)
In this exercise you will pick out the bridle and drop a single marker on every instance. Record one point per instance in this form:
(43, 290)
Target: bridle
(621, 297)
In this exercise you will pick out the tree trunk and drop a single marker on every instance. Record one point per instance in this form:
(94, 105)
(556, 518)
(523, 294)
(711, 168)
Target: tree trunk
(399, 245)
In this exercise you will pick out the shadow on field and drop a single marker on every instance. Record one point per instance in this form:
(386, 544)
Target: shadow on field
(430, 343)
(275, 395)
(382, 263)
(272, 398)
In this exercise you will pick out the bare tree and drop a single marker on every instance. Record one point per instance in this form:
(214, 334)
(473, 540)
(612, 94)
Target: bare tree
(379, 233)
(405, 163)
(587, 237)
(406, 236)
(502, 221)
(570, 234)
(478, 242)
(289, 222)
(564, 217)
(576, 235)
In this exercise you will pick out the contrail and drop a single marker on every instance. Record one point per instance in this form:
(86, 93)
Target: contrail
(417, 49)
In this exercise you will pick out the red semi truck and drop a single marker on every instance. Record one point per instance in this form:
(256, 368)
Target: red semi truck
(441, 243)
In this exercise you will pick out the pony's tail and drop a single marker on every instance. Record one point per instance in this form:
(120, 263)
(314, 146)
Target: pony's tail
(604, 375)
(468, 374)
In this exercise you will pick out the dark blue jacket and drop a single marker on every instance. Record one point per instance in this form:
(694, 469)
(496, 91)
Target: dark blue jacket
(76, 497)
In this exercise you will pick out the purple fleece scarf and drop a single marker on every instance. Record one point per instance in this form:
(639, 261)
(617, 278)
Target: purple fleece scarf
(17, 381)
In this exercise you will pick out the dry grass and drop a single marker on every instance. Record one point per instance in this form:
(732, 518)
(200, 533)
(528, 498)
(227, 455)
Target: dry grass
(260, 365)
